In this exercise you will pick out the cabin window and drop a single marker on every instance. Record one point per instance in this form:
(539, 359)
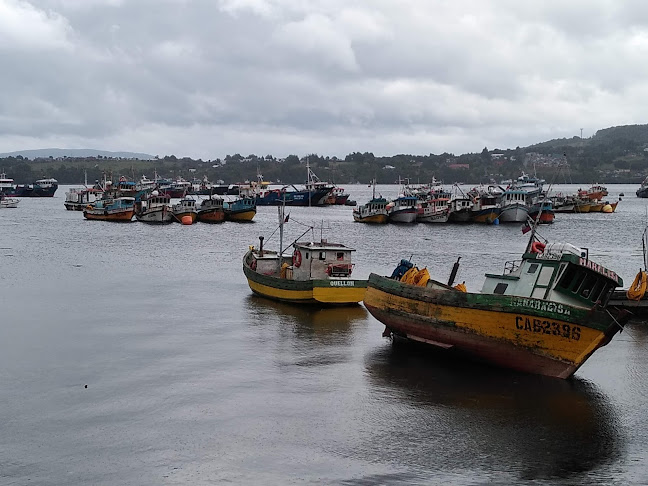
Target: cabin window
(587, 286)
(597, 290)
(533, 267)
(322, 255)
(306, 255)
(340, 256)
(567, 277)
(545, 276)
(500, 288)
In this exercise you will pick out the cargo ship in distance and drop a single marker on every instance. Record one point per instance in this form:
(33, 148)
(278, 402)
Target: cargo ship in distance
(40, 188)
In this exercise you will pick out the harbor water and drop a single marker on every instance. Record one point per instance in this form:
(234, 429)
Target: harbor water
(133, 354)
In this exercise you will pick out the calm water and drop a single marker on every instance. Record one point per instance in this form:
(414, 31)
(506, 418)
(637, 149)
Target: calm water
(193, 380)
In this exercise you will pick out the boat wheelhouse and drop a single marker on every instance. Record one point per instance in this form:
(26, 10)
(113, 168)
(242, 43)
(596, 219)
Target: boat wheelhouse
(6, 184)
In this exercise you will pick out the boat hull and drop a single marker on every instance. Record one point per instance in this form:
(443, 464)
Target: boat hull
(121, 215)
(524, 334)
(372, 219)
(514, 213)
(156, 215)
(460, 216)
(485, 216)
(33, 191)
(211, 216)
(179, 215)
(242, 215)
(321, 292)
(403, 216)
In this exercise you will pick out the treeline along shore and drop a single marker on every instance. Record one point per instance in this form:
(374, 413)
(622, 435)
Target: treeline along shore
(612, 155)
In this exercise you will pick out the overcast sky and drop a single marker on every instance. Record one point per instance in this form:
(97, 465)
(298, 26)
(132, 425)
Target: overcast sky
(207, 78)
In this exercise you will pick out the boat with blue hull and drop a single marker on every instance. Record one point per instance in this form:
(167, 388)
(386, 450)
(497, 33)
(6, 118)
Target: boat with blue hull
(240, 209)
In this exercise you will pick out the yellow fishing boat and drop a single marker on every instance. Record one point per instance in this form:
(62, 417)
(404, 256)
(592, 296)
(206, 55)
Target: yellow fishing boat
(315, 272)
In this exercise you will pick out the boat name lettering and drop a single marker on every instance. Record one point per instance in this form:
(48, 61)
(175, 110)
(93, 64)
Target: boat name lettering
(542, 306)
(540, 326)
(599, 269)
(342, 283)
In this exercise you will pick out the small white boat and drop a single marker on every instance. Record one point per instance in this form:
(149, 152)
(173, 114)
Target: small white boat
(8, 202)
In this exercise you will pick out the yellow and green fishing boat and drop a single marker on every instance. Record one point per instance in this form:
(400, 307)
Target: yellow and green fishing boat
(315, 272)
(546, 314)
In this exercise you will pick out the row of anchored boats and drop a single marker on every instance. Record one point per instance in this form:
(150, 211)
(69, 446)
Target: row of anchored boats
(546, 313)
(491, 204)
(157, 208)
(125, 200)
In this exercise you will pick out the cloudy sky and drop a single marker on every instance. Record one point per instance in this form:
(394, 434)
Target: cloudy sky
(206, 78)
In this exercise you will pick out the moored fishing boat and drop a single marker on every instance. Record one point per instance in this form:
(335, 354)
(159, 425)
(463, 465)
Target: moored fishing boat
(546, 314)
(242, 209)
(373, 212)
(435, 210)
(118, 209)
(485, 207)
(76, 199)
(582, 205)
(315, 272)
(402, 210)
(514, 207)
(460, 210)
(211, 210)
(154, 208)
(593, 193)
(542, 211)
(185, 211)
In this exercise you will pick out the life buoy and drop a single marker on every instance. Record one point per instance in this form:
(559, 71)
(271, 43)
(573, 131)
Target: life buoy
(537, 247)
(253, 265)
(297, 258)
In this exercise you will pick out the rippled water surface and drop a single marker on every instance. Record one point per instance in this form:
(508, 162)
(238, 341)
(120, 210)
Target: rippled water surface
(193, 380)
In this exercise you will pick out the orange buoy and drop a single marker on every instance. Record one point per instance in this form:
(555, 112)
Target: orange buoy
(186, 219)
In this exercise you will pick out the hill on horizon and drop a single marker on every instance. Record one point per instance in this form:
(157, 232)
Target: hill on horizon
(57, 152)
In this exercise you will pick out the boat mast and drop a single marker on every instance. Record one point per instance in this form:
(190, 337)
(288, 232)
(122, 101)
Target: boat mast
(309, 180)
(281, 209)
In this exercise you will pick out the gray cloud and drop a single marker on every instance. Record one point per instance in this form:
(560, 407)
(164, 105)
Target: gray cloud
(206, 78)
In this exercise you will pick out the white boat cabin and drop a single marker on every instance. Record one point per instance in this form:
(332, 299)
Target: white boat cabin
(310, 261)
(559, 273)
(318, 261)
